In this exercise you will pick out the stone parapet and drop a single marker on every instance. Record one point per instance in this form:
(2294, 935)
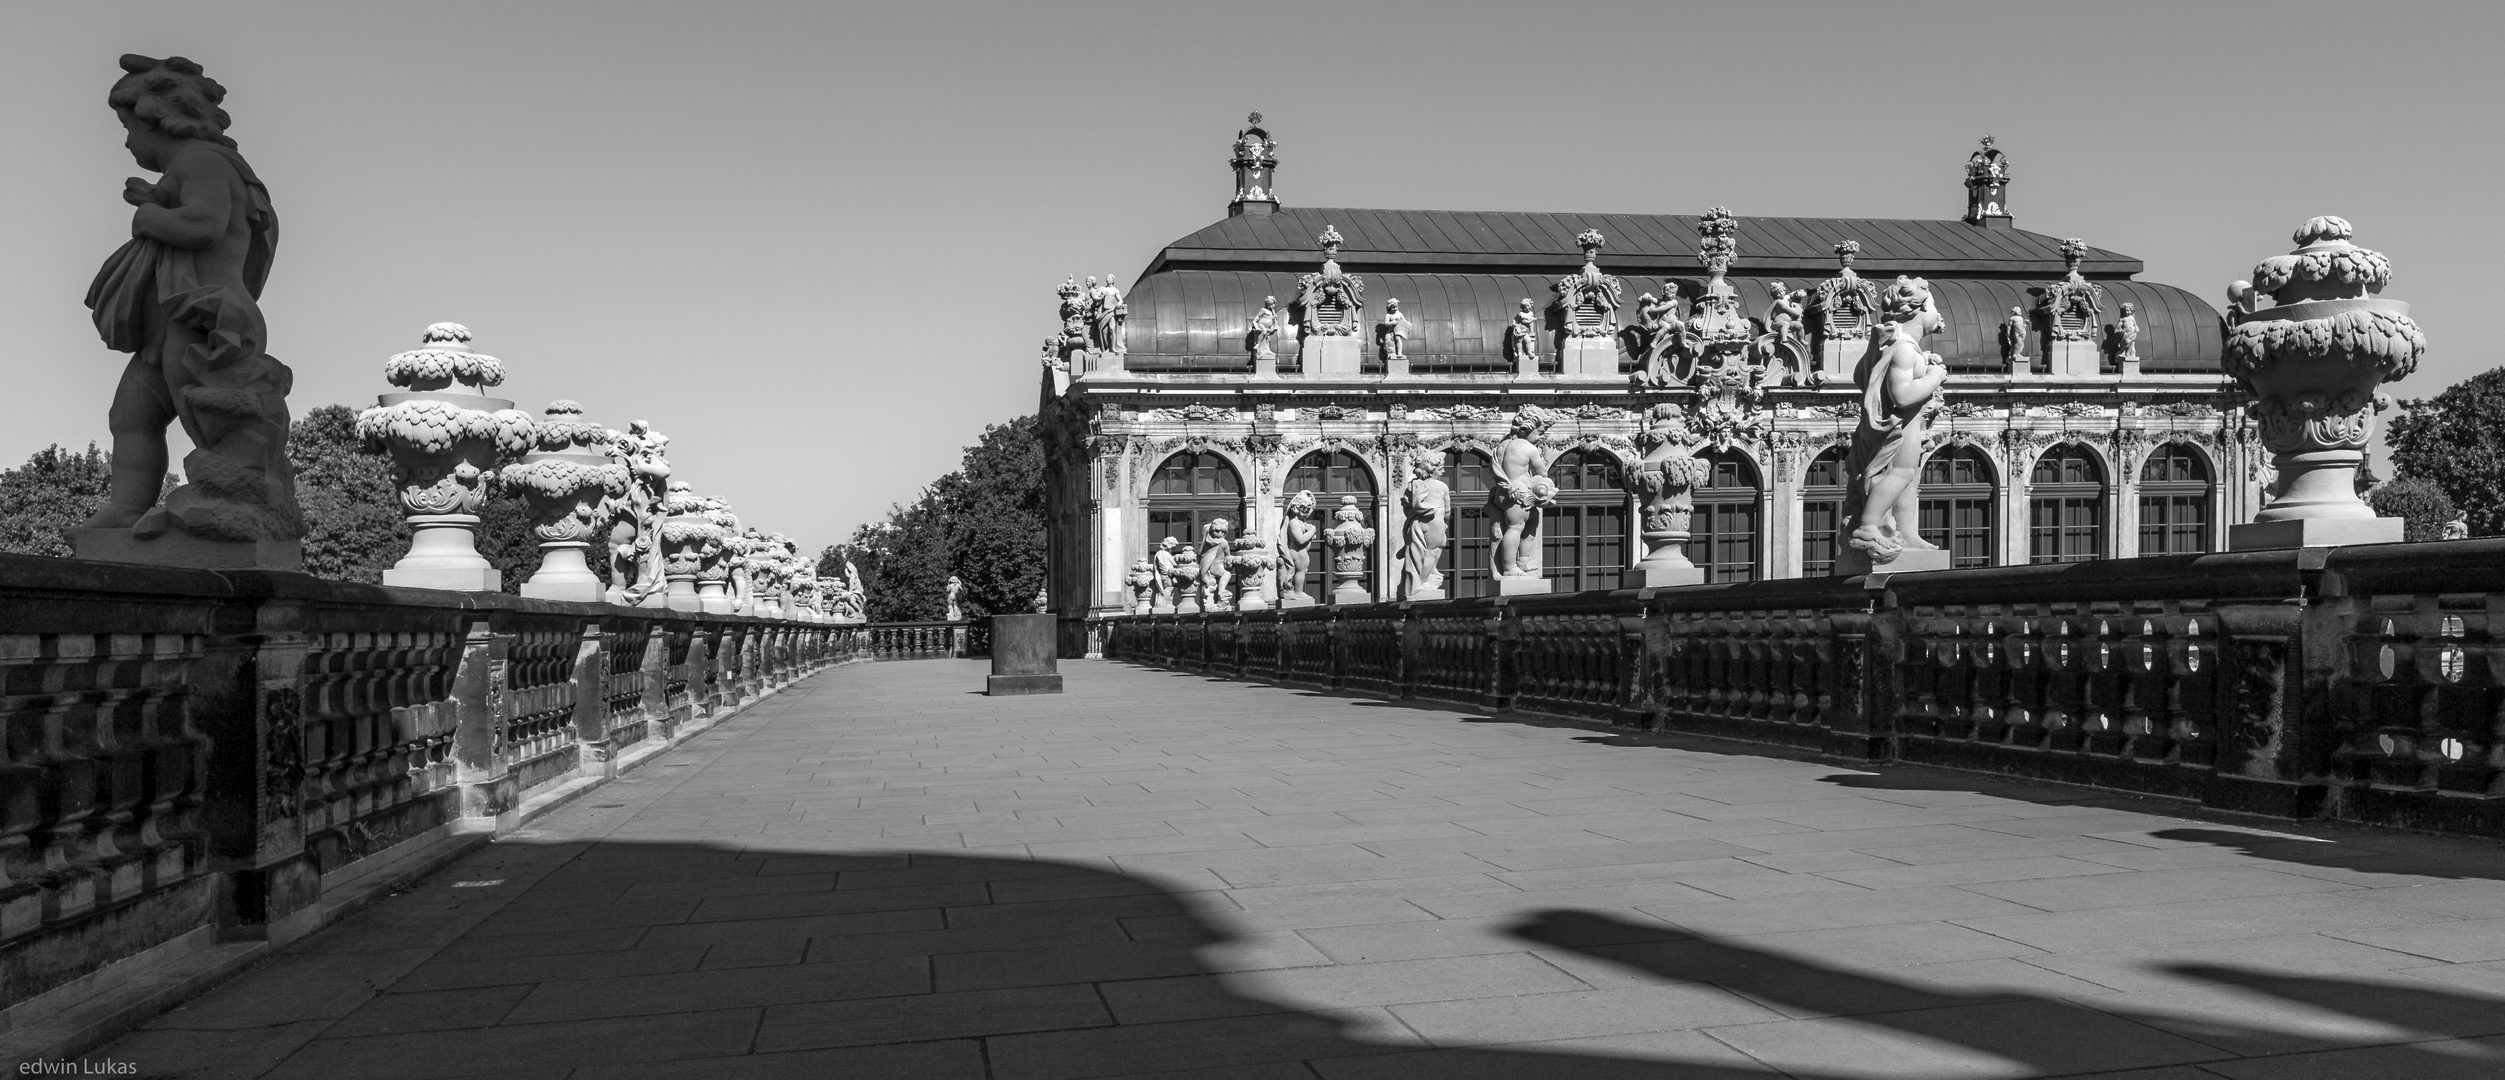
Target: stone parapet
(2359, 684)
(199, 749)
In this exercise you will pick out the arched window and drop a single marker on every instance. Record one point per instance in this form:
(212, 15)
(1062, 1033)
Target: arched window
(1467, 569)
(1821, 512)
(1330, 474)
(2066, 506)
(1723, 532)
(1583, 539)
(1187, 492)
(2174, 501)
(1958, 505)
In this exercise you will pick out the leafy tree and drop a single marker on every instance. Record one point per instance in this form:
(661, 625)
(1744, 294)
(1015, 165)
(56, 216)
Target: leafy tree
(2456, 440)
(983, 523)
(43, 499)
(2422, 507)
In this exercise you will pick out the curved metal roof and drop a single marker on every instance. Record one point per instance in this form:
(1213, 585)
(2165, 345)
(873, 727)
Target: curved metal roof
(1638, 243)
(1198, 320)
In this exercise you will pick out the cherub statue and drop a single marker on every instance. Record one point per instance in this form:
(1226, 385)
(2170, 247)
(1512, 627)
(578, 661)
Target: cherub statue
(1664, 336)
(1297, 532)
(1898, 382)
(183, 298)
(1522, 491)
(2014, 339)
(1170, 573)
(1783, 314)
(2458, 528)
(1393, 332)
(1425, 506)
(2122, 339)
(956, 589)
(1212, 565)
(1265, 329)
(1522, 335)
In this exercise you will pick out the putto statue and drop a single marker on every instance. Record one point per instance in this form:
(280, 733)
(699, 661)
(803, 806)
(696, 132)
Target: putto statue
(183, 298)
(1521, 493)
(1425, 510)
(1297, 532)
(1392, 333)
(2014, 339)
(1265, 329)
(1212, 565)
(635, 576)
(2122, 339)
(1106, 312)
(1522, 338)
(1175, 572)
(956, 589)
(1898, 381)
(1658, 333)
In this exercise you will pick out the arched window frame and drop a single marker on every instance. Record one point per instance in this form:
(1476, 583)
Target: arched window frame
(1726, 530)
(1469, 473)
(1960, 508)
(2067, 515)
(1327, 487)
(2177, 512)
(1182, 515)
(1823, 486)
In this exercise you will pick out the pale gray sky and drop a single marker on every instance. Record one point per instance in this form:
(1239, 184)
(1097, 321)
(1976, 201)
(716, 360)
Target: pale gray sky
(816, 243)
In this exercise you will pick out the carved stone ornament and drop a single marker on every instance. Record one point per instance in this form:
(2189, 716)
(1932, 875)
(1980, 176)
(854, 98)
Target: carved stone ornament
(446, 438)
(1193, 413)
(570, 482)
(1337, 412)
(2314, 358)
(1521, 494)
(689, 539)
(1350, 541)
(634, 521)
(1589, 298)
(186, 307)
(1330, 303)
(1426, 526)
(1664, 481)
(1725, 410)
(1840, 307)
(2069, 308)
(1459, 413)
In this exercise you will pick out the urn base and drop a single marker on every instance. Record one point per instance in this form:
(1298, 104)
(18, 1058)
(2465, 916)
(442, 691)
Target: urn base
(1417, 596)
(1666, 577)
(1589, 358)
(179, 549)
(2313, 532)
(447, 578)
(1523, 586)
(1296, 599)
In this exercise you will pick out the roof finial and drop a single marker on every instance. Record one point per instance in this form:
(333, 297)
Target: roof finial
(1987, 186)
(1256, 164)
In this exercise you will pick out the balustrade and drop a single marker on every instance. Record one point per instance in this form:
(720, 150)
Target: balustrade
(2363, 683)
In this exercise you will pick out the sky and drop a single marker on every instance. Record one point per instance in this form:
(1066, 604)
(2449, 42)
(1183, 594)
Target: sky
(816, 243)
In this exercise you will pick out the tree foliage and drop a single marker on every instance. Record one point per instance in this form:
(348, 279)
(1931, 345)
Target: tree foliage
(2456, 440)
(2422, 507)
(43, 499)
(984, 523)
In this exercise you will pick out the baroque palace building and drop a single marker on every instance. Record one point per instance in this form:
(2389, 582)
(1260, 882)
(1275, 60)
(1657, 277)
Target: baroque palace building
(2086, 415)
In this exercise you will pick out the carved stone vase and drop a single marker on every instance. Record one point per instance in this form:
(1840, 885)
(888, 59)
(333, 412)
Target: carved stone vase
(1349, 541)
(447, 439)
(1186, 582)
(571, 483)
(1248, 564)
(713, 571)
(1143, 582)
(688, 540)
(1664, 483)
(2314, 359)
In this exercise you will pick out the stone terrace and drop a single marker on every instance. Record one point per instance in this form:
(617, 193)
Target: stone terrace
(880, 872)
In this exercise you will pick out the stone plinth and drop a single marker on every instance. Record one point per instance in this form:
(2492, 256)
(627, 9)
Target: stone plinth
(1523, 586)
(443, 555)
(1835, 360)
(1850, 560)
(1663, 577)
(1331, 355)
(185, 551)
(1023, 656)
(2073, 359)
(1424, 595)
(2313, 532)
(1589, 358)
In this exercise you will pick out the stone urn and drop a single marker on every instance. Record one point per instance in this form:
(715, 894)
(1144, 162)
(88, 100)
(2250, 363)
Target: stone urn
(689, 539)
(1186, 581)
(447, 439)
(1248, 564)
(571, 483)
(1664, 482)
(2313, 359)
(713, 574)
(1349, 541)
(1143, 582)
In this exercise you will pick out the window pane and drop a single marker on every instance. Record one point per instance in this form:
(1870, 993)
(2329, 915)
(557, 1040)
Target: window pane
(1817, 547)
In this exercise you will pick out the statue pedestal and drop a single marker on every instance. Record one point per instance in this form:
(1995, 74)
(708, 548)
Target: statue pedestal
(1327, 356)
(1265, 367)
(1667, 577)
(1589, 358)
(1252, 601)
(564, 575)
(1350, 593)
(1423, 595)
(1851, 560)
(1024, 660)
(2313, 532)
(1523, 586)
(1396, 367)
(2074, 359)
(1836, 358)
(178, 549)
(443, 554)
(714, 598)
(1295, 600)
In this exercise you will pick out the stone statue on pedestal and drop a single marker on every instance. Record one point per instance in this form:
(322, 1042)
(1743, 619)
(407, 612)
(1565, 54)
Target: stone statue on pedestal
(1349, 540)
(956, 588)
(2122, 339)
(1106, 312)
(1662, 333)
(1898, 380)
(635, 519)
(1392, 333)
(1297, 532)
(2014, 339)
(1212, 565)
(1522, 336)
(1522, 491)
(183, 298)
(1171, 573)
(1425, 507)
(1265, 329)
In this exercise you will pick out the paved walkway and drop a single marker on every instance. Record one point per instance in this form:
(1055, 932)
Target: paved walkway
(882, 873)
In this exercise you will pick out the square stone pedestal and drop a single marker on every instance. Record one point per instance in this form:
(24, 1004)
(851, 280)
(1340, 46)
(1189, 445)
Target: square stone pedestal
(1023, 656)
(1851, 560)
(1295, 600)
(182, 550)
(2313, 532)
(1522, 586)
(1592, 357)
(1327, 356)
(1665, 577)
(1419, 596)
(447, 578)
(2074, 359)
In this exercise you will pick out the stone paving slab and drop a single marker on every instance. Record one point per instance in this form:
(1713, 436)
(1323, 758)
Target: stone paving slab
(881, 872)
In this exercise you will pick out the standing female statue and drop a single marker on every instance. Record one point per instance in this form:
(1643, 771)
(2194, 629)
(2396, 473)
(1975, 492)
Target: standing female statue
(1425, 527)
(1898, 381)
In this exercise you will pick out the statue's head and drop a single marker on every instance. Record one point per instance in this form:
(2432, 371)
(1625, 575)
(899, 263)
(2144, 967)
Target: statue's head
(1391, 305)
(1526, 305)
(170, 97)
(1776, 287)
(1215, 530)
(1426, 464)
(1907, 300)
(1300, 504)
(1528, 421)
(2129, 308)
(1269, 301)
(1169, 543)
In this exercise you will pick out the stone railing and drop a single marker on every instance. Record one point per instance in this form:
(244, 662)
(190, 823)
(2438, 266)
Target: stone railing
(936, 640)
(2361, 683)
(189, 750)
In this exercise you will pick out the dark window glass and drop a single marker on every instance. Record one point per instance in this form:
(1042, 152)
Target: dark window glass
(2066, 506)
(1722, 535)
(1821, 512)
(1330, 474)
(1188, 492)
(1467, 564)
(1583, 539)
(1960, 508)
(2174, 501)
